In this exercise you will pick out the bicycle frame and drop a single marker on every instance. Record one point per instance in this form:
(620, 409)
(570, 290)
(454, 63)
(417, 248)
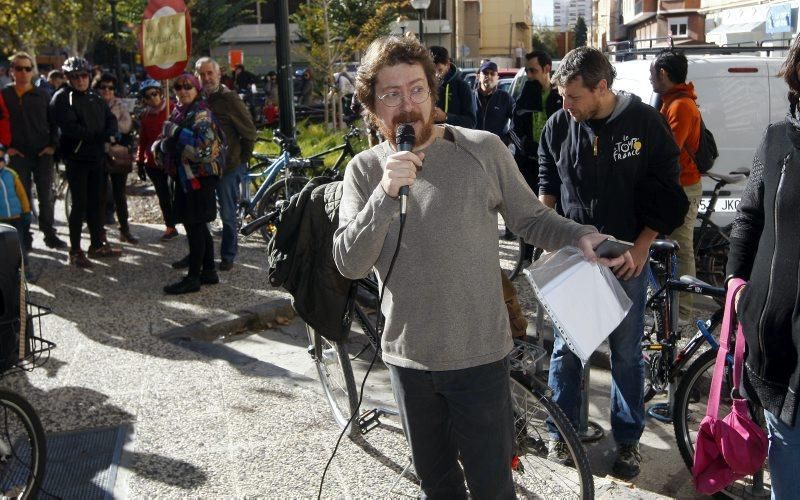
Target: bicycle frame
(269, 175)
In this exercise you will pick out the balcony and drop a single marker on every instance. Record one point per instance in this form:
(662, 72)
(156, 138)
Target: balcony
(636, 11)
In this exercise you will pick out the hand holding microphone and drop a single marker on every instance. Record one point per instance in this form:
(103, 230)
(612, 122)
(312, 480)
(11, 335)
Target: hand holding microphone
(401, 167)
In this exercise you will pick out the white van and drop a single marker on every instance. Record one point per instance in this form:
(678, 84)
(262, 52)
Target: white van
(738, 96)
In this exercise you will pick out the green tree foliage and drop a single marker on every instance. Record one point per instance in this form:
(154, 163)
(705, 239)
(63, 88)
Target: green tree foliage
(580, 31)
(545, 39)
(211, 18)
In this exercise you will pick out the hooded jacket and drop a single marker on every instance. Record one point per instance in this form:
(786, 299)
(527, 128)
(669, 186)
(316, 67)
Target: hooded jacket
(765, 244)
(455, 99)
(622, 178)
(679, 108)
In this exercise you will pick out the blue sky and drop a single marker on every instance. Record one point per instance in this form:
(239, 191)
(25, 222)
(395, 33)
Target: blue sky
(543, 11)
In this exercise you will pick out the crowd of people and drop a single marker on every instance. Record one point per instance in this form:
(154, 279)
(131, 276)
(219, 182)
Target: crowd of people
(569, 161)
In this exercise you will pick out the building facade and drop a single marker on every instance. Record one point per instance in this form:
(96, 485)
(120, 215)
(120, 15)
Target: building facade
(567, 12)
(750, 22)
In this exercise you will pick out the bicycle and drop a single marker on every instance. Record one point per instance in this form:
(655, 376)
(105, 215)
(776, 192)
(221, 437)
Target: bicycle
(711, 241)
(296, 173)
(23, 448)
(531, 402)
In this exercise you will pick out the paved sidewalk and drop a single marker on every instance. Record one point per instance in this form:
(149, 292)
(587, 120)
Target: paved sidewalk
(237, 418)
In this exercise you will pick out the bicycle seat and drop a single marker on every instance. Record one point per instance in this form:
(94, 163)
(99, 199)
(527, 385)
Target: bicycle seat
(745, 171)
(688, 279)
(727, 179)
(664, 246)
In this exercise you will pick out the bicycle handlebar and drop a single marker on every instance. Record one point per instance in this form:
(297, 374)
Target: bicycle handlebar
(262, 221)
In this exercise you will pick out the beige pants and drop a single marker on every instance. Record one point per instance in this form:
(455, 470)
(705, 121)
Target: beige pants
(684, 235)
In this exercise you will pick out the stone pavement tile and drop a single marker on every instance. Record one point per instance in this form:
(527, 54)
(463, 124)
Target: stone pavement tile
(206, 474)
(72, 408)
(110, 370)
(180, 377)
(182, 423)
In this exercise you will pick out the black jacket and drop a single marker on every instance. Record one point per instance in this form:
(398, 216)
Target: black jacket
(32, 125)
(620, 180)
(455, 99)
(86, 123)
(301, 258)
(530, 100)
(765, 250)
(495, 115)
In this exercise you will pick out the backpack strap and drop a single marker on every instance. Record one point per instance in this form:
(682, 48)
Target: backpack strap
(685, 148)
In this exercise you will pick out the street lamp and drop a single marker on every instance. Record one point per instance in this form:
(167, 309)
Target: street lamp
(118, 61)
(402, 22)
(420, 6)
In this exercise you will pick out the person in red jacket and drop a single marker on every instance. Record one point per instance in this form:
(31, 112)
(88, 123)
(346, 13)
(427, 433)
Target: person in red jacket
(668, 78)
(5, 125)
(152, 120)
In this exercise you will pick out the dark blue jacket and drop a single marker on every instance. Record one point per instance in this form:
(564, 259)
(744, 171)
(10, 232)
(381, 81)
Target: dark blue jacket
(455, 99)
(495, 116)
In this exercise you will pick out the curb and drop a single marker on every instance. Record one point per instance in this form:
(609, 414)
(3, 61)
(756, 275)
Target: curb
(259, 316)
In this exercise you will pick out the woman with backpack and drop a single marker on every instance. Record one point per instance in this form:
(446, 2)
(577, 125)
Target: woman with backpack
(765, 244)
(189, 149)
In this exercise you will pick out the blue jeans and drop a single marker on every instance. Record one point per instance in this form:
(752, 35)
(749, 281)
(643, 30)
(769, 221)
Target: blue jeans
(455, 414)
(627, 371)
(229, 192)
(784, 457)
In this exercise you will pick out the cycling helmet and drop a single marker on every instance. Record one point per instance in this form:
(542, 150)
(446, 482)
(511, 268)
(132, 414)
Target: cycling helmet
(149, 84)
(76, 64)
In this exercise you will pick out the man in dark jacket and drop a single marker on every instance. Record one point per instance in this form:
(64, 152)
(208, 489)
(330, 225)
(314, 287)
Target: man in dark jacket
(87, 126)
(535, 104)
(455, 104)
(493, 106)
(33, 141)
(611, 161)
(240, 136)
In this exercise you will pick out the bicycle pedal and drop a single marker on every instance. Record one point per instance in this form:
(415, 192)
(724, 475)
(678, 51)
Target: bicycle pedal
(369, 420)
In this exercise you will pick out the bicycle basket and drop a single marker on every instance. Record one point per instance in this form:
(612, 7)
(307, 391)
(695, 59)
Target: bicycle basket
(31, 351)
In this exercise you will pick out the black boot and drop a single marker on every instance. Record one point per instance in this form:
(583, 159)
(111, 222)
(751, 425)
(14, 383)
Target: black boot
(209, 277)
(188, 284)
(181, 264)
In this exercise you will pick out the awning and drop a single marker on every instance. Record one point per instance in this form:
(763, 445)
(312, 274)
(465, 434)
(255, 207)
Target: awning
(724, 29)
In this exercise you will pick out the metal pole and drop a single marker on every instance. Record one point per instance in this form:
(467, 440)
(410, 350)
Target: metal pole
(118, 61)
(285, 89)
(421, 40)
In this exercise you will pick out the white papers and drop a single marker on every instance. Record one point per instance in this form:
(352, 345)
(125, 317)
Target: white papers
(581, 300)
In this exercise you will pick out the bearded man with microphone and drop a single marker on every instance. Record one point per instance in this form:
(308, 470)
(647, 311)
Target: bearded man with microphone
(446, 336)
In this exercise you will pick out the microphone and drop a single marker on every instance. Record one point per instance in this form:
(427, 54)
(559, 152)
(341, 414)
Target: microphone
(405, 139)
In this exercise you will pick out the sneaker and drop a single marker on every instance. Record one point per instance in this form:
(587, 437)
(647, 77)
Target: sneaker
(626, 466)
(54, 242)
(127, 237)
(558, 452)
(508, 235)
(104, 250)
(181, 264)
(225, 265)
(79, 259)
(209, 277)
(188, 284)
(169, 234)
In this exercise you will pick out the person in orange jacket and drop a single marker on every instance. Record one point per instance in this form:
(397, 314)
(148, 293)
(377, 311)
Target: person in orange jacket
(668, 78)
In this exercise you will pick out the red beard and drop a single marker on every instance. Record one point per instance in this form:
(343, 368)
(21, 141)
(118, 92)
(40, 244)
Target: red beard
(408, 117)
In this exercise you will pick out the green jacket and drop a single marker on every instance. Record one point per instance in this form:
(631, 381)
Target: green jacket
(233, 116)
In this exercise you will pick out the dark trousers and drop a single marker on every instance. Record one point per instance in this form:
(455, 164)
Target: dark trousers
(161, 182)
(201, 248)
(458, 414)
(86, 183)
(38, 169)
(120, 203)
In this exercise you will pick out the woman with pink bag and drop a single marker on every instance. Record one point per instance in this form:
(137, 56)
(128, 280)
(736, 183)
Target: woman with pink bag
(765, 251)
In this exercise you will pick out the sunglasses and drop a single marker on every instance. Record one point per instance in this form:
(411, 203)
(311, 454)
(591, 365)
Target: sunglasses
(185, 86)
(106, 87)
(27, 69)
(150, 95)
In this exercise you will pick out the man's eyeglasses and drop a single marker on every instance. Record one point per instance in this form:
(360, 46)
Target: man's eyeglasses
(150, 95)
(106, 87)
(26, 69)
(418, 95)
(78, 76)
(186, 86)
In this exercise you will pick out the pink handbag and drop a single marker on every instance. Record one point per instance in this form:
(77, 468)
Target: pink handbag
(731, 448)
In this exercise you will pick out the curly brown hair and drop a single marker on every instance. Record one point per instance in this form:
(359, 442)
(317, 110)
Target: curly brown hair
(789, 72)
(385, 52)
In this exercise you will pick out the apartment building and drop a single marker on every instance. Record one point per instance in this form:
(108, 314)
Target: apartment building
(657, 20)
(731, 22)
(567, 12)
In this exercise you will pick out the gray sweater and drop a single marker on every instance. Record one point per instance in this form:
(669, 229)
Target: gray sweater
(443, 303)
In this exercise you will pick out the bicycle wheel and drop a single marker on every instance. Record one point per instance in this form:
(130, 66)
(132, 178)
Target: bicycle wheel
(336, 375)
(539, 477)
(276, 192)
(512, 251)
(711, 256)
(691, 399)
(22, 447)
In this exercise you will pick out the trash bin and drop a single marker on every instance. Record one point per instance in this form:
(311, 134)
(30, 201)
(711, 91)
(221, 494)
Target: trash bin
(10, 263)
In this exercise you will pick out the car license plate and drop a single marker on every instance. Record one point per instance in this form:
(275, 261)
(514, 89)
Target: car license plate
(727, 205)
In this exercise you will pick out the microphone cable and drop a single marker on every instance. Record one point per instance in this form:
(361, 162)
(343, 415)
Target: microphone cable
(379, 332)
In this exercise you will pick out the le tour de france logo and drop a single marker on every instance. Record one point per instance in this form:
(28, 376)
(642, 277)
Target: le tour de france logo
(627, 147)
